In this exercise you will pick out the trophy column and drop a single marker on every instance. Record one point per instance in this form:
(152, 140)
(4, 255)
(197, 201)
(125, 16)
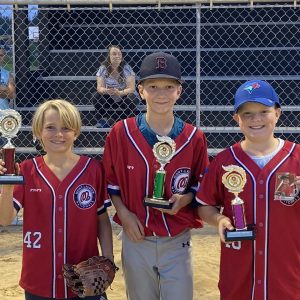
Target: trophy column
(8, 155)
(163, 151)
(10, 123)
(159, 184)
(234, 180)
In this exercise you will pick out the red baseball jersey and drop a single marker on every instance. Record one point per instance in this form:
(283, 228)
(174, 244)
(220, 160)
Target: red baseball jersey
(60, 222)
(269, 267)
(130, 167)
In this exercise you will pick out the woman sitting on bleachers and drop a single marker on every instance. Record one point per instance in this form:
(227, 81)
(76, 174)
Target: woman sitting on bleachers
(116, 94)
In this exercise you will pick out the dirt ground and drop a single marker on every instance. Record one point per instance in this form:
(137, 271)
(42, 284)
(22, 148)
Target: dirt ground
(205, 258)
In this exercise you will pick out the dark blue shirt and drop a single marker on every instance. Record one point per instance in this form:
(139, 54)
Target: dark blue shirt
(150, 135)
(151, 138)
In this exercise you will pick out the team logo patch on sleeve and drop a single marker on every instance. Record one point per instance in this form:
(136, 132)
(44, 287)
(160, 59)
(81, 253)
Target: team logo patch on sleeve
(180, 180)
(286, 190)
(85, 196)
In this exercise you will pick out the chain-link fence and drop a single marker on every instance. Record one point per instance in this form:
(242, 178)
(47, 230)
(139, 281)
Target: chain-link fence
(56, 51)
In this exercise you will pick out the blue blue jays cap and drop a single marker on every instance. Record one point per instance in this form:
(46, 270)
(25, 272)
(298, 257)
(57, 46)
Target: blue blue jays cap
(255, 91)
(160, 65)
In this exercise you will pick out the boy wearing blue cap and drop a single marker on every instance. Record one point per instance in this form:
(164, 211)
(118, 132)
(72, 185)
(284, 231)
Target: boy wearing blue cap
(243, 181)
(156, 242)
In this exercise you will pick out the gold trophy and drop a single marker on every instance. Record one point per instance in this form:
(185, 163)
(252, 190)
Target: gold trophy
(163, 151)
(234, 180)
(10, 123)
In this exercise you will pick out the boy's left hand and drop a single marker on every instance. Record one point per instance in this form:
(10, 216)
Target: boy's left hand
(179, 201)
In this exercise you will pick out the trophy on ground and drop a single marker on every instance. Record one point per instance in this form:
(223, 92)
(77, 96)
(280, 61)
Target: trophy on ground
(234, 180)
(10, 123)
(163, 151)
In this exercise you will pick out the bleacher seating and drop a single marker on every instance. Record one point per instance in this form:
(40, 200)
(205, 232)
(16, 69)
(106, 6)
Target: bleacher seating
(232, 45)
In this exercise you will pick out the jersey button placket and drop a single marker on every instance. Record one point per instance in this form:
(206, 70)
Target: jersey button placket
(59, 249)
(260, 238)
(259, 262)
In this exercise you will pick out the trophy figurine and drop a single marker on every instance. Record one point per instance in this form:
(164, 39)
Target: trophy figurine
(163, 151)
(234, 180)
(10, 123)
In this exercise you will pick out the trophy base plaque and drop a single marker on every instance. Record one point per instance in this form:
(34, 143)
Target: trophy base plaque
(11, 179)
(158, 203)
(238, 235)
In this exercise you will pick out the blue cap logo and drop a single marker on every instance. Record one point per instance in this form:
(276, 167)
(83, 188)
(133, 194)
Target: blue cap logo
(256, 91)
(252, 87)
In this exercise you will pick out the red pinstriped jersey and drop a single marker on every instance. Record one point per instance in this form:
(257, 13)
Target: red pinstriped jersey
(60, 222)
(269, 267)
(130, 167)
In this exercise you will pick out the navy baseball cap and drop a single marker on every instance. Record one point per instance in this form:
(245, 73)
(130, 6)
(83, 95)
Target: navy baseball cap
(160, 65)
(255, 91)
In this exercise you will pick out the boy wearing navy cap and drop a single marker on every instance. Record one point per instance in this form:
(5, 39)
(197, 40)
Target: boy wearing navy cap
(266, 267)
(156, 242)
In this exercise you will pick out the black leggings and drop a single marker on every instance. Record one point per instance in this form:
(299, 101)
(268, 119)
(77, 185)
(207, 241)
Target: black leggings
(106, 107)
(29, 296)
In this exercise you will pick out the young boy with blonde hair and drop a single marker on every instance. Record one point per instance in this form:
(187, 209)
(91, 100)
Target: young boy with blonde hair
(64, 201)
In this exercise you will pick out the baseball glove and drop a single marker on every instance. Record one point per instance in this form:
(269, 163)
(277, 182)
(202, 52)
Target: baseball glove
(90, 277)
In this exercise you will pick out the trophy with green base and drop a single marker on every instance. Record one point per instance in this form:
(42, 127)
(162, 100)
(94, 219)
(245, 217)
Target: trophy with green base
(234, 180)
(163, 151)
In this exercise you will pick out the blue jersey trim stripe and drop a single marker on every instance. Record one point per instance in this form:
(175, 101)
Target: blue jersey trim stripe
(101, 210)
(113, 190)
(17, 205)
(176, 153)
(107, 202)
(146, 164)
(66, 208)
(187, 141)
(53, 227)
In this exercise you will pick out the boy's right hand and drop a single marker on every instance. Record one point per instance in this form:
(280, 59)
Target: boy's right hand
(3, 169)
(132, 227)
(223, 224)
